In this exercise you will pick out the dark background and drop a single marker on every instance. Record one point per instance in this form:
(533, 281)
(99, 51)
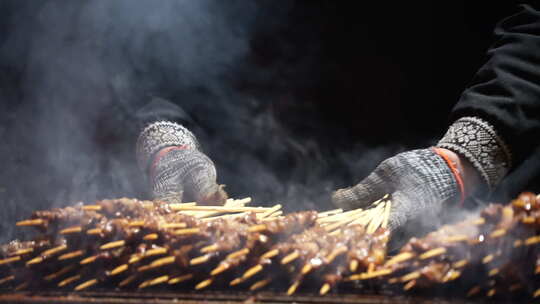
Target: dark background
(291, 99)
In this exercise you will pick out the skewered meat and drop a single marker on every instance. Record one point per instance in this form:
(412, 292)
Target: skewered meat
(127, 244)
(138, 244)
(493, 255)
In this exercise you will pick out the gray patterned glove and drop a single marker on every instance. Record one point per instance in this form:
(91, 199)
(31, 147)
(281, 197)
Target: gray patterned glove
(420, 181)
(177, 169)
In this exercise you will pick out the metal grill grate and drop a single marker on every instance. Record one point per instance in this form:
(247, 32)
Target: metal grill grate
(207, 297)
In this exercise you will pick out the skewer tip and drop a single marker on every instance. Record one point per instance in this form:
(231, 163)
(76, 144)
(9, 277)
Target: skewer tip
(324, 289)
(292, 288)
(112, 245)
(31, 222)
(204, 284)
(86, 284)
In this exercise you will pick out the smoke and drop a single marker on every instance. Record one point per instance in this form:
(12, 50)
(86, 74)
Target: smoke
(74, 75)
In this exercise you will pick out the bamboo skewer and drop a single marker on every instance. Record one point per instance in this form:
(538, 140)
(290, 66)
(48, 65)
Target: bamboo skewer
(226, 217)
(270, 254)
(456, 238)
(174, 225)
(487, 259)
(134, 259)
(219, 269)
(290, 257)
(493, 272)
(94, 231)
(432, 253)
(269, 212)
(237, 254)
(306, 269)
(70, 255)
(199, 260)
(155, 251)
(151, 237)
(119, 269)
(204, 284)
(260, 284)
(273, 216)
(292, 288)
(60, 273)
(325, 288)
(532, 240)
(86, 284)
(180, 279)
(402, 257)
(70, 230)
(139, 223)
(257, 228)
(88, 260)
(335, 253)
(53, 251)
(344, 216)
(460, 263)
(69, 280)
(23, 251)
(7, 279)
(112, 245)
(21, 286)
(252, 271)
(497, 233)
(370, 275)
(144, 284)
(187, 231)
(154, 281)
(222, 209)
(34, 261)
(230, 203)
(329, 213)
(210, 248)
(410, 276)
(158, 263)
(91, 208)
(353, 265)
(127, 280)
(236, 282)
(409, 285)
(10, 260)
(32, 222)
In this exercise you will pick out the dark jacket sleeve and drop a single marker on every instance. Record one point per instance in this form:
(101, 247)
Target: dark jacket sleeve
(159, 109)
(506, 90)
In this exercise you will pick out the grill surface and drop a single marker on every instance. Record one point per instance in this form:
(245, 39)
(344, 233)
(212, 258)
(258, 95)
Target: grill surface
(207, 297)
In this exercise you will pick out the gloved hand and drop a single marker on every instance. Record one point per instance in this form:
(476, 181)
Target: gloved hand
(421, 181)
(178, 171)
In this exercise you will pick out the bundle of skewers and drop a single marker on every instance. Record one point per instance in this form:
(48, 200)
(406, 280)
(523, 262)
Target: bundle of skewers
(132, 244)
(493, 255)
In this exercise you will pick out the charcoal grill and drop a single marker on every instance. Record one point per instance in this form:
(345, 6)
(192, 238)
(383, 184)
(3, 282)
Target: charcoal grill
(110, 297)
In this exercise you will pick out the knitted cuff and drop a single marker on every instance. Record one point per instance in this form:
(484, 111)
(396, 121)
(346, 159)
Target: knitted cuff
(159, 135)
(477, 140)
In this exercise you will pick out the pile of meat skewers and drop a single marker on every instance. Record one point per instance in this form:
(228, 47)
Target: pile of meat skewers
(493, 255)
(132, 244)
(135, 244)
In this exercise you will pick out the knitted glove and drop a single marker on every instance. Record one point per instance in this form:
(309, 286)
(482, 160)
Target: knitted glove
(177, 169)
(420, 181)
